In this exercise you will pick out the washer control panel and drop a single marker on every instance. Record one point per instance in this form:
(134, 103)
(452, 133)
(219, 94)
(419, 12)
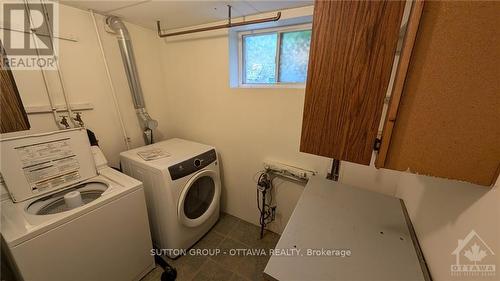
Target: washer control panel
(192, 165)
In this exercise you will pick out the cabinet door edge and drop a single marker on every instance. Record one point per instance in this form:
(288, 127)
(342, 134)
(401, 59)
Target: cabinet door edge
(399, 80)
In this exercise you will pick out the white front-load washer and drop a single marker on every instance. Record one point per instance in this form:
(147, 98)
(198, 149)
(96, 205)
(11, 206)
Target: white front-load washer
(182, 184)
(69, 216)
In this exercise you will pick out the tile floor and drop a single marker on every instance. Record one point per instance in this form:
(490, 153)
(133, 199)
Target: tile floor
(229, 233)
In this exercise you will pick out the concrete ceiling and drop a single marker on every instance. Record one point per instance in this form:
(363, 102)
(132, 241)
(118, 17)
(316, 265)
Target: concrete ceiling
(177, 14)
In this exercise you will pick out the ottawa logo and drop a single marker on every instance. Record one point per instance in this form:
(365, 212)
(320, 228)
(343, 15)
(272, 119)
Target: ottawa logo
(472, 257)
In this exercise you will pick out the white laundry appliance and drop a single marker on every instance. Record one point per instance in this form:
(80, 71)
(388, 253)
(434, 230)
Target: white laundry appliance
(69, 216)
(182, 185)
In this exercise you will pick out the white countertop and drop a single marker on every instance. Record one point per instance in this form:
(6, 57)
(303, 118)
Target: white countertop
(330, 215)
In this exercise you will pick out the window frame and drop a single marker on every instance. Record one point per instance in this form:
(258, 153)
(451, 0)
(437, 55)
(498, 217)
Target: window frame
(279, 31)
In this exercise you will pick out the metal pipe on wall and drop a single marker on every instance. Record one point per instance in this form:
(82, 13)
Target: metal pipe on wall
(53, 108)
(229, 24)
(58, 66)
(147, 123)
(112, 87)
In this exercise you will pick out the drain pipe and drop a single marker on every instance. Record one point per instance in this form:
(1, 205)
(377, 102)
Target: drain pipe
(147, 123)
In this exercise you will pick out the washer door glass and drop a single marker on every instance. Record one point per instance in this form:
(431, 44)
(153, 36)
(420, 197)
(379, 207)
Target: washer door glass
(199, 197)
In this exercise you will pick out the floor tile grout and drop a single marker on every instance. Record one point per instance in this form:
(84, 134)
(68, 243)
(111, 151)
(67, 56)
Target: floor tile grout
(228, 231)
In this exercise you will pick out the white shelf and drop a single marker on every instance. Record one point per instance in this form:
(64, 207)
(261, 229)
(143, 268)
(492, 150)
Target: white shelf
(330, 215)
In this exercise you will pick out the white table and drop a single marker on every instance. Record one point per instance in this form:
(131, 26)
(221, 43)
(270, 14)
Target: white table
(330, 215)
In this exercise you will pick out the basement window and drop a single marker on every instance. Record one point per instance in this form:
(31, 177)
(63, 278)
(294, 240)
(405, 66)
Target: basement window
(274, 57)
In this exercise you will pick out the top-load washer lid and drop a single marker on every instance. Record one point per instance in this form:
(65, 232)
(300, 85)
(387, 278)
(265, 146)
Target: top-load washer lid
(38, 164)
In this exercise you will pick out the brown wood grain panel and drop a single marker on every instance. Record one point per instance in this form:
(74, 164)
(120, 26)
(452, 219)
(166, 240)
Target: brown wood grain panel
(352, 50)
(448, 121)
(399, 80)
(13, 117)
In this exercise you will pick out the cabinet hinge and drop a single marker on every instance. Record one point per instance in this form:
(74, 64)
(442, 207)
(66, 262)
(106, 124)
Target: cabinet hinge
(376, 144)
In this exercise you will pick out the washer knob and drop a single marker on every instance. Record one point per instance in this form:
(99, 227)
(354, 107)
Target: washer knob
(197, 162)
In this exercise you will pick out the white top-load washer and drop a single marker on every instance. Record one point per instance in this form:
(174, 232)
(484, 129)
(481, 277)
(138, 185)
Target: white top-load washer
(182, 185)
(69, 215)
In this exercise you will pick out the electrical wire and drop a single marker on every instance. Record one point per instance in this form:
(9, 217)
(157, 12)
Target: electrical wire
(255, 175)
(265, 183)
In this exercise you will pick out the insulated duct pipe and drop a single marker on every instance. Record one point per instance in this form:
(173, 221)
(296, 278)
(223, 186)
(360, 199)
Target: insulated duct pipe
(147, 123)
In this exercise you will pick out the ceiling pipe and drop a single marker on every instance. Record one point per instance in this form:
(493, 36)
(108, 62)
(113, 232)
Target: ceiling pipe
(229, 24)
(147, 123)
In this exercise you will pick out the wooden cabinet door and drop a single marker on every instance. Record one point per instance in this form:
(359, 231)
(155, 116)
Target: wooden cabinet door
(353, 46)
(12, 114)
(444, 115)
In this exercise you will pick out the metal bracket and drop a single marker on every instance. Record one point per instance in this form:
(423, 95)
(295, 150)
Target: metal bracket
(377, 144)
(334, 173)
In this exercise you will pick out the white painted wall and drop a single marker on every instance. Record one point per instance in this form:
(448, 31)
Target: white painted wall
(443, 211)
(251, 125)
(246, 125)
(186, 87)
(86, 82)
